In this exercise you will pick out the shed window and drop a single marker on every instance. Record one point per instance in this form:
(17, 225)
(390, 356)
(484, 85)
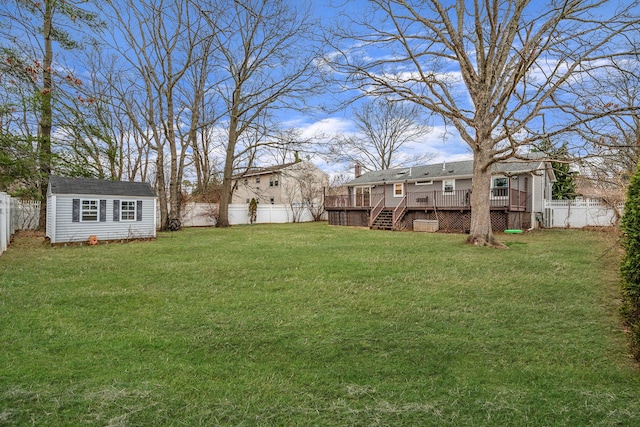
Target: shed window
(128, 210)
(89, 210)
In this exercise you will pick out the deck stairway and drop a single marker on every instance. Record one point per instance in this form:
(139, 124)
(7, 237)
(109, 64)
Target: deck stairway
(384, 221)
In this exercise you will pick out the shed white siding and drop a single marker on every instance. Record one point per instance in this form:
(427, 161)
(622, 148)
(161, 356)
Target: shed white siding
(64, 229)
(51, 217)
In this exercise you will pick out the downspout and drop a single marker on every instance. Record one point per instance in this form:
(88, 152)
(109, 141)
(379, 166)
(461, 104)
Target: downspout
(533, 201)
(384, 193)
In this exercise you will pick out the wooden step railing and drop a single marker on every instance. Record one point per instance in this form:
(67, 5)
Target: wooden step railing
(399, 212)
(376, 211)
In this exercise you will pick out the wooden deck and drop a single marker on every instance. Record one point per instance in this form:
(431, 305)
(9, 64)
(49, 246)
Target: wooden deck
(374, 210)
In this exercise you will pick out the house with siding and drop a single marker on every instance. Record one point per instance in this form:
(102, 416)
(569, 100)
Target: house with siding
(394, 199)
(78, 208)
(295, 183)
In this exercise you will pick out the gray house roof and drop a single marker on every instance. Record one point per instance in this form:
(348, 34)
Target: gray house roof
(440, 171)
(257, 171)
(265, 170)
(98, 187)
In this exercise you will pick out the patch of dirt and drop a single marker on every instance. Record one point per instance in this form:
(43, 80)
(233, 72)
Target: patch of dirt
(30, 233)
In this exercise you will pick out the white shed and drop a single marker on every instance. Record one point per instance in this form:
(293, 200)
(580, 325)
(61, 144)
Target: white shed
(78, 208)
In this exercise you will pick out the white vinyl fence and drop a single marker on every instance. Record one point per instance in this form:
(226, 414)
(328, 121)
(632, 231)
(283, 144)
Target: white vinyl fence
(580, 213)
(16, 215)
(204, 214)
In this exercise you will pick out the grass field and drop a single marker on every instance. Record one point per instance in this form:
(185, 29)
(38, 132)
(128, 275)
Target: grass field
(315, 325)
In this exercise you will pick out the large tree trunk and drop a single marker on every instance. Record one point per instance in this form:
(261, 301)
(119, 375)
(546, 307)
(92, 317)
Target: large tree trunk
(227, 177)
(481, 233)
(44, 128)
(226, 190)
(162, 191)
(225, 195)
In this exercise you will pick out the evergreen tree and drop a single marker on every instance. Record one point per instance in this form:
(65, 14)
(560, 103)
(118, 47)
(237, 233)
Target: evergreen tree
(564, 188)
(630, 266)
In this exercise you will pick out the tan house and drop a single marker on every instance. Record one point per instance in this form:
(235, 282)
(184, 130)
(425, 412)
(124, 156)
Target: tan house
(293, 184)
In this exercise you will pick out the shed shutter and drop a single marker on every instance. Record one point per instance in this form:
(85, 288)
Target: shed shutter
(103, 211)
(75, 211)
(116, 210)
(139, 210)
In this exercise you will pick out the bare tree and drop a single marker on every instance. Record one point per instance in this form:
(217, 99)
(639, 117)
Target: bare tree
(93, 138)
(505, 73)
(263, 61)
(385, 128)
(205, 157)
(303, 188)
(613, 142)
(163, 41)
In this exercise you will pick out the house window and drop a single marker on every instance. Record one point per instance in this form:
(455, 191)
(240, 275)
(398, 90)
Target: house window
(398, 189)
(272, 200)
(449, 185)
(127, 210)
(500, 187)
(257, 180)
(89, 210)
(273, 181)
(246, 181)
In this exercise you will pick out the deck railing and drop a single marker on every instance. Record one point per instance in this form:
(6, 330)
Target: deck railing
(399, 211)
(376, 211)
(516, 200)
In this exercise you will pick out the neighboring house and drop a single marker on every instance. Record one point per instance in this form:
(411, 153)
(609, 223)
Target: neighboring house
(392, 199)
(78, 208)
(293, 184)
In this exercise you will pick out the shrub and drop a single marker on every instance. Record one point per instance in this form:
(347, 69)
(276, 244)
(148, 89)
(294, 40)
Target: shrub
(253, 210)
(630, 266)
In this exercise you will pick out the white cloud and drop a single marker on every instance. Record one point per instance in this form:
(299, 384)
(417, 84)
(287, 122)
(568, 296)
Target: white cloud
(328, 127)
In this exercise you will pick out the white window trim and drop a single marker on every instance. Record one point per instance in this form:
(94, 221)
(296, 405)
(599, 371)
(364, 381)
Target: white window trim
(401, 188)
(97, 205)
(444, 181)
(493, 181)
(424, 182)
(493, 187)
(135, 210)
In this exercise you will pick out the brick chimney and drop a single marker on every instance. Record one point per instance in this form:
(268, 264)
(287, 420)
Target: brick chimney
(358, 170)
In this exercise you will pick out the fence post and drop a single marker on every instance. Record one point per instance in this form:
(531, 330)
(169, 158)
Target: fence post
(5, 204)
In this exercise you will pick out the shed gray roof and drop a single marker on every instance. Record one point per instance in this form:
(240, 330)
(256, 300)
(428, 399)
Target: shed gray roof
(98, 187)
(439, 171)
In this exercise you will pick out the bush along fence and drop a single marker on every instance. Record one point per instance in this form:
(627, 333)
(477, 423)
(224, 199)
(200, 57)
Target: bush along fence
(580, 213)
(16, 215)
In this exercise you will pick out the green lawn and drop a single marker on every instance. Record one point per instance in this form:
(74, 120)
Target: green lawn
(315, 325)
